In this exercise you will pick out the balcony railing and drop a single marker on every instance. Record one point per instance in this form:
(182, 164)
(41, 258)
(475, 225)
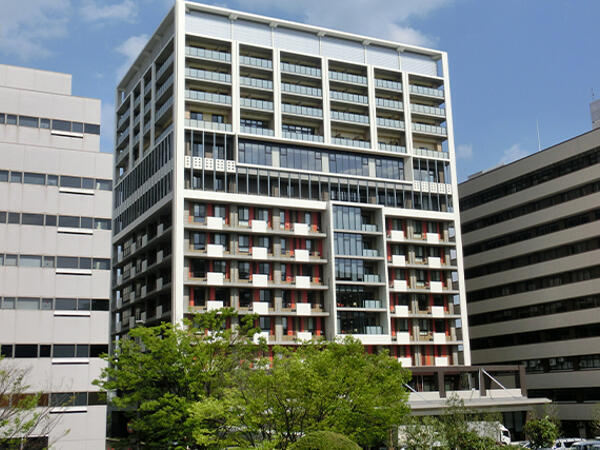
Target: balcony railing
(349, 117)
(208, 97)
(256, 83)
(301, 70)
(124, 118)
(432, 111)
(390, 123)
(392, 147)
(207, 125)
(347, 97)
(302, 90)
(368, 304)
(431, 153)
(391, 104)
(256, 130)
(207, 75)
(256, 62)
(301, 110)
(388, 84)
(430, 129)
(370, 252)
(214, 55)
(256, 104)
(347, 77)
(350, 142)
(422, 90)
(165, 65)
(163, 87)
(302, 136)
(375, 329)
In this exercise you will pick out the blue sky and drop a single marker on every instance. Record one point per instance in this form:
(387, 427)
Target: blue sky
(513, 63)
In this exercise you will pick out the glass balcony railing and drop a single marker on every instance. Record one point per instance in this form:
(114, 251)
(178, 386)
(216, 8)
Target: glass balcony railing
(367, 304)
(256, 130)
(213, 55)
(256, 62)
(164, 66)
(392, 147)
(302, 136)
(301, 70)
(147, 127)
(347, 77)
(215, 126)
(165, 106)
(302, 90)
(166, 85)
(424, 109)
(422, 90)
(375, 329)
(350, 142)
(256, 104)
(430, 129)
(301, 110)
(122, 136)
(207, 97)
(124, 118)
(387, 84)
(390, 123)
(207, 75)
(431, 153)
(349, 117)
(372, 253)
(387, 103)
(256, 83)
(347, 97)
(370, 227)
(147, 87)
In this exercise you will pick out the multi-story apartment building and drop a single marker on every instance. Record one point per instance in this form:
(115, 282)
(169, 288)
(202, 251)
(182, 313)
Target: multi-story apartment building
(55, 221)
(531, 240)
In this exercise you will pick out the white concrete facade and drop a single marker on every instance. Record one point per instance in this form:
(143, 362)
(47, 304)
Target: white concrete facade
(55, 221)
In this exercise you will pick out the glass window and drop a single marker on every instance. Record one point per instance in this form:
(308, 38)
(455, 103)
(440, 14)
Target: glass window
(72, 182)
(6, 350)
(66, 304)
(83, 304)
(243, 215)
(48, 261)
(87, 222)
(10, 260)
(102, 224)
(26, 351)
(34, 178)
(28, 303)
(199, 241)
(2, 217)
(8, 303)
(52, 180)
(45, 351)
(50, 221)
(30, 261)
(26, 121)
(16, 177)
(221, 239)
(63, 351)
(67, 262)
(68, 221)
(85, 263)
(45, 123)
(47, 304)
(220, 211)
(244, 270)
(83, 351)
(77, 127)
(14, 218)
(87, 183)
(11, 119)
(101, 264)
(100, 305)
(2, 117)
(97, 349)
(3, 175)
(61, 125)
(244, 243)
(103, 185)
(91, 128)
(32, 219)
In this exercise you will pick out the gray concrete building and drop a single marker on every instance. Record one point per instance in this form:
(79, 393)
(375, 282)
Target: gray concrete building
(55, 210)
(531, 242)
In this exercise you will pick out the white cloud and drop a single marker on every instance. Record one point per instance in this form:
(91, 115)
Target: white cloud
(107, 130)
(131, 48)
(95, 11)
(26, 26)
(513, 153)
(464, 151)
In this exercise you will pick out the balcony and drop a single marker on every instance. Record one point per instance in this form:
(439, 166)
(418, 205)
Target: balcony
(429, 129)
(213, 55)
(389, 85)
(123, 118)
(398, 260)
(429, 92)
(301, 70)
(256, 130)
(373, 329)
(165, 65)
(428, 110)
(202, 124)
(370, 253)
(207, 97)
(207, 75)
(369, 227)
(389, 104)
(390, 123)
(363, 304)
(252, 61)
(301, 110)
(263, 105)
(301, 90)
(257, 83)
(392, 147)
(348, 97)
(347, 77)
(164, 108)
(349, 117)
(431, 153)
(302, 136)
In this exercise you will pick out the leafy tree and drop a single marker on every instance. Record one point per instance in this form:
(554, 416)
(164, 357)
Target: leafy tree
(596, 419)
(324, 440)
(324, 386)
(160, 372)
(542, 432)
(421, 433)
(24, 414)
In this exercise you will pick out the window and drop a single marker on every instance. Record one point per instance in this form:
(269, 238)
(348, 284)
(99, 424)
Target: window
(100, 305)
(91, 128)
(63, 351)
(243, 215)
(32, 219)
(52, 180)
(48, 262)
(50, 221)
(101, 264)
(244, 243)
(14, 218)
(263, 241)
(26, 121)
(47, 304)
(2, 217)
(8, 303)
(10, 260)
(216, 118)
(61, 125)
(220, 267)
(11, 119)
(262, 214)
(2, 118)
(103, 185)
(77, 127)
(16, 177)
(220, 211)
(68, 221)
(3, 175)
(45, 123)
(34, 178)
(87, 183)
(87, 222)
(102, 224)
(199, 241)
(221, 239)
(67, 262)
(72, 182)
(28, 303)
(85, 263)
(26, 351)
(66, 304)
(30, 261)
(244, 270)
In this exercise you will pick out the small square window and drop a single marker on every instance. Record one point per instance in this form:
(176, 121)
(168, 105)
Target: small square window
(83, 351)
(11, 119)
(45, 123)
(85, 263)
(91, 128)
(16, 177)
(10, 260)
(87, 222)
(45, 351)
(6, 351)
(3, 175)
(2, 217)
(2, 118)
(83, 304)
(8, 303)
(14, 218)
(47, 304)
(87, 183)
(77, 127)
(50, 221)
(48, 262)
(52, 180)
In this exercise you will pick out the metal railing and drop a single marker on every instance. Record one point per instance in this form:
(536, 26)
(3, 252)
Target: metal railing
(215, 126)
(301, 110)
(257, 104)
(207, 75)
(347, 97)
(256, 62)
(300, 69)
(350, 142)
(302, 90)
(347, 77)
(302, 136)
(392, 147)
(422, 90)
(390, 123)
(431, 129)
(214, 55)
(431, 153)
(256, 130)
(431, 110)
(388, 84)
(207, 97)
(256, 83)
(349, 117)
(387, 103)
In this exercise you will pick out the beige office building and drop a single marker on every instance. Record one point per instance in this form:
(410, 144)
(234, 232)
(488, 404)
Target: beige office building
(55, 209)
(531, 242)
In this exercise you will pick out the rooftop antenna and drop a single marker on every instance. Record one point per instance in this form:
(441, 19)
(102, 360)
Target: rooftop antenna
(537, 124)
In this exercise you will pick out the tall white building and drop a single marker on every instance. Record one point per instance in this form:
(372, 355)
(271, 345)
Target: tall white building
(55, 209)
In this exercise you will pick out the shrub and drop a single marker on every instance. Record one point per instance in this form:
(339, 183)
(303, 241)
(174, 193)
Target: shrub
(324, 440)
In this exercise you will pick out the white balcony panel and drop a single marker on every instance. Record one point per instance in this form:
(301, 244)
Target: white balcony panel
(304, 335)
(396, 235)
(441, 361)
(214, 223)
(439, 338)
(301, 229)
(302, 282)
(262, 334)
(436, 286)
(432, 238)
(259, 253)
(400, 285)
(401, 310)
(403, 337)
(260, 307)
(398, 260)
(434, 262)
(259, 280)
(212, 305)
(437, 311)
(259, 226)
(303, 309)
(215, 250)
(301, 255)
(406, 362)
(215, 278)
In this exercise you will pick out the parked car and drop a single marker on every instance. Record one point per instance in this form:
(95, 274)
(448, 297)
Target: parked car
(586, 445)
(566, 443)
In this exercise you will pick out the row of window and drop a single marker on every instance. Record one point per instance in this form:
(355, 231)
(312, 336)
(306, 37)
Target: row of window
(56, 304)
(353, 244)
(53, 220)
(568, 395)
(42, 179)
(562, 363)
(534, 284)
(62, 399)
(533, 232)
(430, 170)
(536, 337)
(58, 262)
(53, 350)
(534, 258)
(528, 208)
(54, 124)
(152, 163)
(534, 178)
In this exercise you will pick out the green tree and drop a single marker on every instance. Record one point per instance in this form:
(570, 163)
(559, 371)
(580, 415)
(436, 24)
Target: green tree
(324, 386)
(421, 433)
(542, 432)
(160, 372)
(324, 440)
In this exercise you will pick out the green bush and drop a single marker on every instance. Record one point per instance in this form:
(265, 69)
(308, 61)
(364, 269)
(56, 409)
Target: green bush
(324, 440)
